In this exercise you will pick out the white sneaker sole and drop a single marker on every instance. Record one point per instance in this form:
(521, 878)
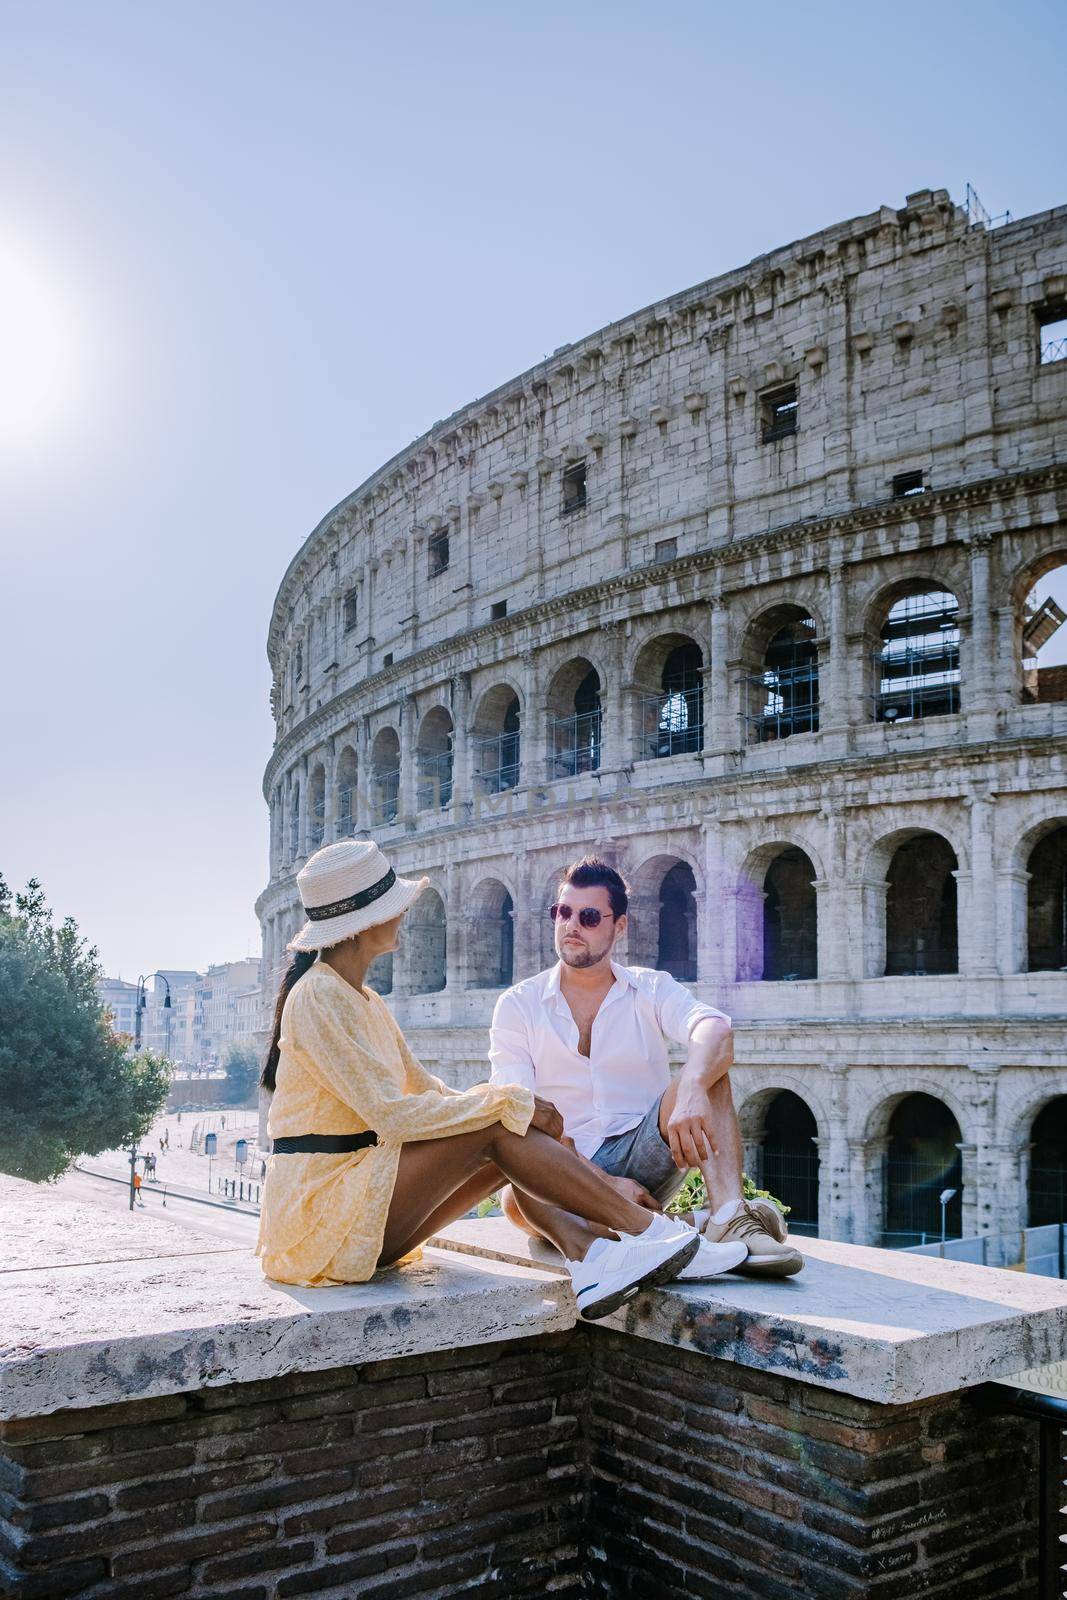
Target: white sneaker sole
(663, 1273)
(728, 1256)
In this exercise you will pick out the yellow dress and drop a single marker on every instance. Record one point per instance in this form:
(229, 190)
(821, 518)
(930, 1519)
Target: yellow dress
(344, 1066)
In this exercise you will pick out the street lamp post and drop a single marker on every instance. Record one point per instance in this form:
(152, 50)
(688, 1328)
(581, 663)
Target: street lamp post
(946, 1196)
(141, 1003)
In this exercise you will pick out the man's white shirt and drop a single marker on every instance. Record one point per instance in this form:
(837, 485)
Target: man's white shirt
(534, 1041)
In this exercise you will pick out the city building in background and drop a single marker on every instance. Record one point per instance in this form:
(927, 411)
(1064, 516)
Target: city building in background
(758, 594)
(208, 1011)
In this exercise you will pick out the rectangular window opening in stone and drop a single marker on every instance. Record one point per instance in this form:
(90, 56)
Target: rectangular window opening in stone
(498, 609)
(387, 659)
(574, 488)
(908, 483)
(666, 549)
(438, 553)
(778, 413)
(351, 610)
(1052, 333)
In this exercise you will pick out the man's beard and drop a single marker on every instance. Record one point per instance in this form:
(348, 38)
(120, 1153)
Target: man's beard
(583, 957)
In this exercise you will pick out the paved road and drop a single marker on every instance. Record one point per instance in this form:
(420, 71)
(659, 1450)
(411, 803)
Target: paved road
(235, 1227)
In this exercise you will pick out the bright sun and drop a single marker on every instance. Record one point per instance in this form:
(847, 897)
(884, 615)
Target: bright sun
(41, 349)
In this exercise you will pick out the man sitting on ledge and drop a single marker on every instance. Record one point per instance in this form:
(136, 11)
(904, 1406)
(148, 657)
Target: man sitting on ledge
(588, 1035)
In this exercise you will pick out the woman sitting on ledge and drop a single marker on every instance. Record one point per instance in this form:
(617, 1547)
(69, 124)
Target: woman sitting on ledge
(371, 1154)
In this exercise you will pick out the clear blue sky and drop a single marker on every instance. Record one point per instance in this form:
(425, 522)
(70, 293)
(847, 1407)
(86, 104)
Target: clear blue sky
(250, 250)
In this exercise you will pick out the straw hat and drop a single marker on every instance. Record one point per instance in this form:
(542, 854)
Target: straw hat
(346, 887)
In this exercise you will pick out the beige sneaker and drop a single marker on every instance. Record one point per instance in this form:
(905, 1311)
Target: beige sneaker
(760, 1226)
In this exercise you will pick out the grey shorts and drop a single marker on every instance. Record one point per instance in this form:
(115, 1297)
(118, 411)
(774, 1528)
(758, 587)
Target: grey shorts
(642, 1153)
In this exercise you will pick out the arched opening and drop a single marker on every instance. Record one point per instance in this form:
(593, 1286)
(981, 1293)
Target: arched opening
(917, 669)
(922, 1162)
(1044, 638)
(317, 807)
(1048, 1165)
(676, 949)
(497, 741)
(385, 776)
(920, 912)
(1046, 912)
(789, 1162)
(790, 918)
(574, 720)
(491, 937)
(670, 672)
(347, 794)
(425, 944)
(434, 756)
(294, 823)
(782, 660)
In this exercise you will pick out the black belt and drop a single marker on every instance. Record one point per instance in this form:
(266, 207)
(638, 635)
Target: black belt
(334, 1143)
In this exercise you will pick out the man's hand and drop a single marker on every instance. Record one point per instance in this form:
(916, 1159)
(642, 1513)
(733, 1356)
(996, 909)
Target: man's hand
(636, 1192)
(689, 1129)
(546, 1119)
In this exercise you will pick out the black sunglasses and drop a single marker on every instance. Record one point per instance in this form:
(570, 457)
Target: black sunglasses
(588, 916)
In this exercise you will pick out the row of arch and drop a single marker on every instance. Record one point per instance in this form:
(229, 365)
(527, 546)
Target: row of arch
(922, 1161)
(778, 935)
(913, 672)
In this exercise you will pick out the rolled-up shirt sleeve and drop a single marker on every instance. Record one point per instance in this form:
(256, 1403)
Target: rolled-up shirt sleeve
(509, 1044)
(678, 1011)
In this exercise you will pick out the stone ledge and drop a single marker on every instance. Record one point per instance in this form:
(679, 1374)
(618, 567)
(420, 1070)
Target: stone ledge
(93, 1312)
(877, 1324)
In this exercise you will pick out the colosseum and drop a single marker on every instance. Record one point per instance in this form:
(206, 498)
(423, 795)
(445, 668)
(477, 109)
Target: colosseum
(747, 593)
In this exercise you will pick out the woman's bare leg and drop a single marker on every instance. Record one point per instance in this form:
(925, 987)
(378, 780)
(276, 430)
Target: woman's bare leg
(542, 1221)
(432, 1170)
(478, 1188)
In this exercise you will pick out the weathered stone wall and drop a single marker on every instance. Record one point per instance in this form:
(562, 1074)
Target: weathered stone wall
(587, 1462)
(423, 1476)
(911, 338)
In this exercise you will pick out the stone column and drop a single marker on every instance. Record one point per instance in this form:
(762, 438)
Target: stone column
(1012, 918)
(868, 951)
(533, 771)
(408, 762)
(969, 1182)
(868, 1188)
(981, 913)
(462, 786)
(832, 893)
(721, 728)
(711, 926)
(330, 819)
(615, 749)
(981, 1169)
(835, 1174)
(834, 703)
(527, 933)
(455, 932)
(976, 688)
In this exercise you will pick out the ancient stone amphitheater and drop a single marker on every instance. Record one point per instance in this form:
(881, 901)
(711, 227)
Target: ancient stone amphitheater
(744, 593)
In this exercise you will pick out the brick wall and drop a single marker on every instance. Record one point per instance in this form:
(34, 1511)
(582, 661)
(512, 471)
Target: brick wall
(711, 1480)
(421, 1476)
(584, 1463)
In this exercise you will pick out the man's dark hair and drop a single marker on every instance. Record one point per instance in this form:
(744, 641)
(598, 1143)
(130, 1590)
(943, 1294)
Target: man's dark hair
(592, 873)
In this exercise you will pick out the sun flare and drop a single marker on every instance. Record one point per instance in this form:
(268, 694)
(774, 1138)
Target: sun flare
(41, 349)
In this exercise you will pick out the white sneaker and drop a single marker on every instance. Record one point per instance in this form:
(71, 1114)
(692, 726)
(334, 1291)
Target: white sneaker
(614, 1270)
(711, 1259)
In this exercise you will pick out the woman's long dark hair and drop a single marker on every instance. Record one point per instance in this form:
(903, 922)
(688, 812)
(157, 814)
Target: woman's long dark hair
(302, 960)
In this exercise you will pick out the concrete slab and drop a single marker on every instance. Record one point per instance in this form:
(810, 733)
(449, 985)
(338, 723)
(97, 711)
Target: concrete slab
(92, 1313)
(878, 1324)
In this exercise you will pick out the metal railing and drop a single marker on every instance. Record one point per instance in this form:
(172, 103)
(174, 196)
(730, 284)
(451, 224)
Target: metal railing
(498, 762)
(672, 724)
(346, 826)
(917, 680)
(787, 701)
(574, 744)
(433, 792)
(1053, 350)
(912, 1206)
(386, 803)
(792, 1176)
(1050, 1414)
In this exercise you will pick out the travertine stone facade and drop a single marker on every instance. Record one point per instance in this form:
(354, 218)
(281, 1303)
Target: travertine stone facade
(671, 596)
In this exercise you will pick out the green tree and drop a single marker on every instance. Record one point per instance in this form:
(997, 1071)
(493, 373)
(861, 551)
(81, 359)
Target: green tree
(67, 1083)
(242, 1066)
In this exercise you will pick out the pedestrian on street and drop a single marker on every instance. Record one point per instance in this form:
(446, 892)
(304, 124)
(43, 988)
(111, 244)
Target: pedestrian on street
(137, 1190)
